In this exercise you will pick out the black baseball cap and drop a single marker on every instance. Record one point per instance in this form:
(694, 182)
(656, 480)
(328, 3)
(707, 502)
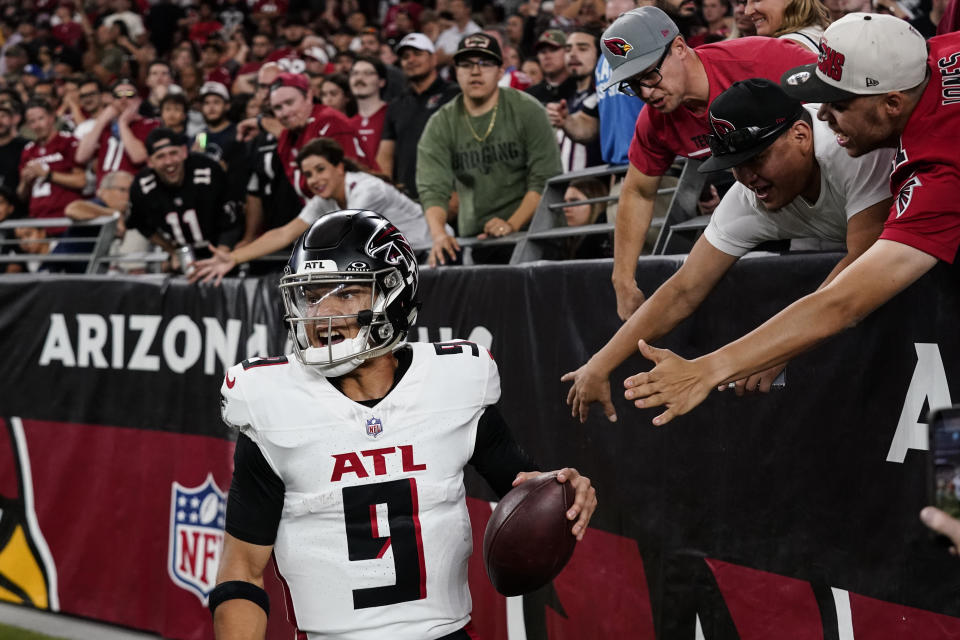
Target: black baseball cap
(161, 138)
(479, 43)
(746, 119)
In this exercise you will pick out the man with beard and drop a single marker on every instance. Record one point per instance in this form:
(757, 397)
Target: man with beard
(292, 102)
(557, 83)
(368, 76)
(580, 56)
(49, 177)
(218, 138)
(408, 114)
(11, 144)
(180, 199)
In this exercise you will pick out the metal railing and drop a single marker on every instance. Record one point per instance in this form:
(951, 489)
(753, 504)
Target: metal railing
(549, 224)
(677, 230)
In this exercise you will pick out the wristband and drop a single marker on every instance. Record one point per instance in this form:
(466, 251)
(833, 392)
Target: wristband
(239, 590)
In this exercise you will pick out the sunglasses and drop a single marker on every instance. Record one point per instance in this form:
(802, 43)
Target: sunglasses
(128, 93)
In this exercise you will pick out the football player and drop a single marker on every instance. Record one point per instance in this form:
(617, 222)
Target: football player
(349, 463)
(180, 199)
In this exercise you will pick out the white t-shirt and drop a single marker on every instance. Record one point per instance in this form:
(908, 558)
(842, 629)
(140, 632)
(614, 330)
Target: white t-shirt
(847, 187)
(364, 191)
(450, 38)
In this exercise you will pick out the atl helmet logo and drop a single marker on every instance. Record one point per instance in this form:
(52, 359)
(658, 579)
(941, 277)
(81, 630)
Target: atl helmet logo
(618, 46)
(196, 536)
(388, 244)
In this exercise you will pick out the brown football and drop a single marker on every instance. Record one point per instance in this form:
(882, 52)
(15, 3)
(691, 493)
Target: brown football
(528, 539)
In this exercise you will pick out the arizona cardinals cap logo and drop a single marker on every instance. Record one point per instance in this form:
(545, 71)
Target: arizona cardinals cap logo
(618, 46)
(720, 126)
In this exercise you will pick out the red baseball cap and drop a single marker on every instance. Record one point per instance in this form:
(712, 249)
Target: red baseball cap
(295, 80)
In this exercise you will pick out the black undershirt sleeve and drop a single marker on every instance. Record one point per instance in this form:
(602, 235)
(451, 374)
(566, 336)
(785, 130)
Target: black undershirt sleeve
(255, 501)
(496, 455)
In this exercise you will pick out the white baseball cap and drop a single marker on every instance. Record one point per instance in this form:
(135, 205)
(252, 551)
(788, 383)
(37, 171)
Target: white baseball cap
(416, 41)
(861, 54)
(215, 88)
(318, 54)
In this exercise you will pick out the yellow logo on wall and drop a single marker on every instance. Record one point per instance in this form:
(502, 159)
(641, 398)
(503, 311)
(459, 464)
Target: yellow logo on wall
(27, 572)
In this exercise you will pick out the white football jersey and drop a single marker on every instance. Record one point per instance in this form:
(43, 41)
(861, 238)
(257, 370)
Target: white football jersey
(374, 537)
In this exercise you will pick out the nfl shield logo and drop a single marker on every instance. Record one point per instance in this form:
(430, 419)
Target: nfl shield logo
(374, 427)
(197, 517)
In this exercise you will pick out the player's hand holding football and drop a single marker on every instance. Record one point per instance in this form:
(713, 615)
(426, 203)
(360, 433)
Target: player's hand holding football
(678, 384)
(590, 384)
(213, 268)
(583, 505)
(760, 381)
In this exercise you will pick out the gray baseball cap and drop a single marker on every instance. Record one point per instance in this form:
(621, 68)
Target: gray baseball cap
(635, 41)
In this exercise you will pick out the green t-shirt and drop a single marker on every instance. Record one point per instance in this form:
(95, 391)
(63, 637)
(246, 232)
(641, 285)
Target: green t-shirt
(491, 177)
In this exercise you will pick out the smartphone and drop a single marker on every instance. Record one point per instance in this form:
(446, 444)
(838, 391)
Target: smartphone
(944, 470)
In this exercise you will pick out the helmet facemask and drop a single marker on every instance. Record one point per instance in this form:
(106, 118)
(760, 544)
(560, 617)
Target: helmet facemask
(360, 300)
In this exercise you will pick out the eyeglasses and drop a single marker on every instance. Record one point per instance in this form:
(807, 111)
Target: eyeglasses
(648, 80)
(743, 139)
(127, 93)
(482, 64)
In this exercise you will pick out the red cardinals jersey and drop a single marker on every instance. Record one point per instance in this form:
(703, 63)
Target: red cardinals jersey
(926, 172)
(220, 74)
(369, 130)
(47, 199)
(111, 156)
(374, 536)
(660, 137)
(324, 122)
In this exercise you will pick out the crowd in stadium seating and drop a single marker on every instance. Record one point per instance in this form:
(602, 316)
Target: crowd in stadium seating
(82, 85)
